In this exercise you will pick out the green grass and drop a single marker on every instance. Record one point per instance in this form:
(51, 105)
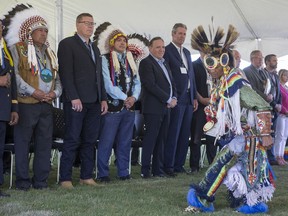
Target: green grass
(156, 196)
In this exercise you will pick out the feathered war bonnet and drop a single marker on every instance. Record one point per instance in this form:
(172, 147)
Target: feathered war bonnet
(3, 47)
(104, 37)
(138, 46)
(215, 51)
(20, 23)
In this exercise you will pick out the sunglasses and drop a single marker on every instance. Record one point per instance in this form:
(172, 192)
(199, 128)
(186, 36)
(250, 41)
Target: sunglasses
(212, 62)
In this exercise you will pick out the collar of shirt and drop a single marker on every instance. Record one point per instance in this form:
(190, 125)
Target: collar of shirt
(180, 49)
(42, 50)
(84, 40)
(158, 60)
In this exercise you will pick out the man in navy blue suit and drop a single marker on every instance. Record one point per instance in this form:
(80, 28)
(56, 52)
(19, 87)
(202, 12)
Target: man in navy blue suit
(179, 60)
(158, 96)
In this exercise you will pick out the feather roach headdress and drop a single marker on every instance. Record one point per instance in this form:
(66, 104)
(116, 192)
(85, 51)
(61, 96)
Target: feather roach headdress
(20, 23)
(216, 52)
(214, 47)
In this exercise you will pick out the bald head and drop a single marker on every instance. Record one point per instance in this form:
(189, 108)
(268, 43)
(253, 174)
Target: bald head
(237, 58)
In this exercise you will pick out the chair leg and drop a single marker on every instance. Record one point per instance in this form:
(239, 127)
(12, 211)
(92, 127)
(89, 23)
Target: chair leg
(58, 166)
(52, 156)
(140, 156)
(130, 156)
(11, 170)
(96, 169)
(203, 155)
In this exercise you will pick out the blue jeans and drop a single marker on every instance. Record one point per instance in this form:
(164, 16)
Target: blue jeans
(115, 128)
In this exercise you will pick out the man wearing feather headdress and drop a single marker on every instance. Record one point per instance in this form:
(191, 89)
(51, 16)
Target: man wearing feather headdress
(122, 84)
(241, 121)
(38, 85)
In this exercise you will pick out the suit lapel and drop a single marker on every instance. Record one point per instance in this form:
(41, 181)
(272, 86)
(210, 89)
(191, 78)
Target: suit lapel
(86, 50)
(159, 67)
(176, 52)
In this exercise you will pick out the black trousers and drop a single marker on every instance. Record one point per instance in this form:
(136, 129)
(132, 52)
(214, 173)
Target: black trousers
(36, 125)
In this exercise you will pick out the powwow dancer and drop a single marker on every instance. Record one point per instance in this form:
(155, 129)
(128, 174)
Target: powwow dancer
(241, 120)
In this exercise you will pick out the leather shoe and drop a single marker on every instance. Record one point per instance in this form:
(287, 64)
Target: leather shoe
(123, 178)
(2, 194)
(170, 174)
(67, 185)
(104, 179)
(145, 176)
(193, 171)
(89, 182)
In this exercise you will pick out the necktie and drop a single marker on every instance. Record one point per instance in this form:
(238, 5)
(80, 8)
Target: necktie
(184, 64)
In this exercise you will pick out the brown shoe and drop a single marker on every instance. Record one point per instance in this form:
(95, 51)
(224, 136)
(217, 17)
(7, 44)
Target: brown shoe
(90, 182)
(67, 185)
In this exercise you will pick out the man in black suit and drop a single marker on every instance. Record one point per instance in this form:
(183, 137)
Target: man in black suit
(179, 60)
(84, 98)
(204, 84)
(8, 98)
(158, 96)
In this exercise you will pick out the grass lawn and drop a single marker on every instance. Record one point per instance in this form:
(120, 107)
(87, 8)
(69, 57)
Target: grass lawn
(156, 196)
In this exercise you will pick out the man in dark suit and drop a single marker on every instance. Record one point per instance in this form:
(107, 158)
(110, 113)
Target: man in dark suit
(84, 98)
(179, 60)
(8, 98)
(258, 78)
(204, 84)
(158, 96)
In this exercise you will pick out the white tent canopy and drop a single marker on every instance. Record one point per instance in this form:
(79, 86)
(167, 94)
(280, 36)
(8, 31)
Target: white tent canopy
(262, 23)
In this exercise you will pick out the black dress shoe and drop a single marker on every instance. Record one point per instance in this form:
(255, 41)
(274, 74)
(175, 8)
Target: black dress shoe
(2, 194)
(159, 176)
(180, 170)
(40, 187)
(123, 178)
(145, 176)
(170, 174)
(22, 188)
(104, 179)
(193, 171)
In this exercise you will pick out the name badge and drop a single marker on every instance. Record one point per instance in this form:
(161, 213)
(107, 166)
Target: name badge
(183, 70)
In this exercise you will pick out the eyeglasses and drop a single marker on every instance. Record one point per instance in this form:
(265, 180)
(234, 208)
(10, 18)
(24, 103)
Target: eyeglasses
(211, 62)
(86, 23)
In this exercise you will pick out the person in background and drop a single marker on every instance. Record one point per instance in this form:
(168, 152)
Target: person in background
(84, 99)
(122, 84)
(237, 58)
(179, 60)
(281, 131)
(271, 69)
(204, 84)
(38, 85)
(8, 98)
(257, 77)
(241, 120)
(157, 98)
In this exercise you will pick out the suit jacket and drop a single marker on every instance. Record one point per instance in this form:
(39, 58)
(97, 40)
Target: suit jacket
(275, 84)
(257, 80)
(81, 77)
(174, 60)
(8, 94)
(199, 117)
(155, 91)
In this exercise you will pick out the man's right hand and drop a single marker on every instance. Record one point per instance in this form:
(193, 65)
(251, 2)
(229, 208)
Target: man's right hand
(77, 105)
(173, 103)
(5, 80)
(39, 95)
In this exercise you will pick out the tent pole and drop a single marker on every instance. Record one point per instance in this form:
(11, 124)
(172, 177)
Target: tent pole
(59, 32)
